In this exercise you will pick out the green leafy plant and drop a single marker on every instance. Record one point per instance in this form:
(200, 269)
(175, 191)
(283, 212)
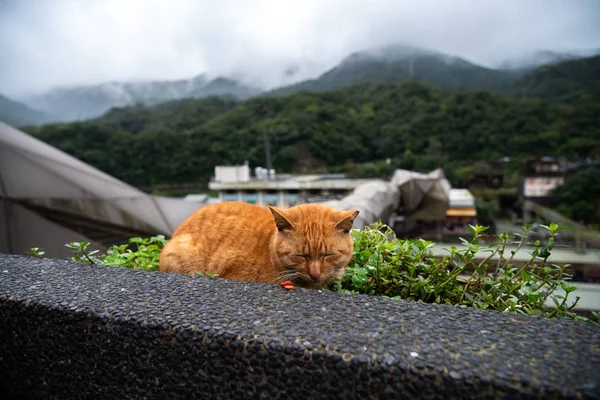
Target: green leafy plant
(82, 254)
(36, 252)
(207, 274)
(407, 269)
(138, 253)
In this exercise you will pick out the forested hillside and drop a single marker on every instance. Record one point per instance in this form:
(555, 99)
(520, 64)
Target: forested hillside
(570, 81)
(579, 197)
(412, 123)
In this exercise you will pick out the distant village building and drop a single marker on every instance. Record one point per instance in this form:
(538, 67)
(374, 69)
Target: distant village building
(267, 188)
(461, 210)
(232, 173)
(540, 178)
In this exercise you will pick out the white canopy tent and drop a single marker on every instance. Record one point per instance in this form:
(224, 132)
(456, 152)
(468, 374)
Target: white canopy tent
(48, 198)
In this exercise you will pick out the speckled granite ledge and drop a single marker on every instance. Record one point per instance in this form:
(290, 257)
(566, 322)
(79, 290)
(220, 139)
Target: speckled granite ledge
(71, 330)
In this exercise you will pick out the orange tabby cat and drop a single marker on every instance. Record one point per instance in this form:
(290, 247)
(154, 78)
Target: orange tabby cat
(308, 244)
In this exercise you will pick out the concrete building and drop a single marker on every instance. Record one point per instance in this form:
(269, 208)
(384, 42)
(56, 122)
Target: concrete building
(280, 190)
(540, 177)
(232, 173)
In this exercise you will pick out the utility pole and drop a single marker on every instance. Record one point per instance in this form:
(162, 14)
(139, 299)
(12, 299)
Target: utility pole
(267, 153)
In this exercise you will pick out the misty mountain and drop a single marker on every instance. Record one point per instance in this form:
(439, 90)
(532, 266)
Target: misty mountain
(399, 63)
(391, 64)
(569, 81)
(18, 114)
(415, 125)
(84, 102)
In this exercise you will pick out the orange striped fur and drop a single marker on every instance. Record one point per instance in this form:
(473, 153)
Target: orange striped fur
(308, 244)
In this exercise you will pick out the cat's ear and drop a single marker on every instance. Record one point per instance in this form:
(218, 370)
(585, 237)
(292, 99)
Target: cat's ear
(282, 223)
(345, 224)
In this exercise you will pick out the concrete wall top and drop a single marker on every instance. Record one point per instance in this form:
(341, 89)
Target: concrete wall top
(73, 330)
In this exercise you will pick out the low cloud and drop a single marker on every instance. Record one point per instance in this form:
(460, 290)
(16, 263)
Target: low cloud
(47, 43)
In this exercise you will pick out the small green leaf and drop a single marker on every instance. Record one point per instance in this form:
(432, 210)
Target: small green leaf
(567, 288)
(472, 229)
(545, 252)
(525, 275)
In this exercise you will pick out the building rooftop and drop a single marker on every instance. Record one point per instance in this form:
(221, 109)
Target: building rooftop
(293, 182)
(461, 198)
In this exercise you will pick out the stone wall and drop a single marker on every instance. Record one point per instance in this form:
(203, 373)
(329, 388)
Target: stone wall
(70, 330)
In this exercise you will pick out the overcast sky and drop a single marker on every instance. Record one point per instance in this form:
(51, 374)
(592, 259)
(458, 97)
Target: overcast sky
(45, 43)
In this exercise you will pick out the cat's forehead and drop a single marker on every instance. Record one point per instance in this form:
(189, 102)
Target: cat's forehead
(317, 241)
(312, 213)
(317, 232)
(322, 226)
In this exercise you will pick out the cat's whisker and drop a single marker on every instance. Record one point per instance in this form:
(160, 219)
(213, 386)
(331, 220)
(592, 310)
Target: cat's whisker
(333, 275)
(285, 277)
(288, 269)
(304, 276)
(288, 274)
(337, 272)
(292, 275)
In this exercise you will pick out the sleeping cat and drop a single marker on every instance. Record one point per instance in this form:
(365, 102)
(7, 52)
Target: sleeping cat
(308, 244)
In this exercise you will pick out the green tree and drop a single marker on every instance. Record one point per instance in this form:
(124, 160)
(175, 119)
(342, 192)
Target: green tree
(579, 197)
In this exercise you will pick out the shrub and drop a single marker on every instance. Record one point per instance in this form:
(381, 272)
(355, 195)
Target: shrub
(407, 269)
(145, 253)
(137, 253)
(382, 265)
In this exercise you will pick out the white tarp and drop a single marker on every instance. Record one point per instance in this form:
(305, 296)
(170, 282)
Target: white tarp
(375, 200)
(425, 197)
(421, 196)
(48, 195)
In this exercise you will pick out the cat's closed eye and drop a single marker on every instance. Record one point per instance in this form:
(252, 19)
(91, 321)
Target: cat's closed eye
(307, 256)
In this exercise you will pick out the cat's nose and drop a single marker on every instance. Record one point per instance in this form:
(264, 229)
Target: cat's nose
(315, 274)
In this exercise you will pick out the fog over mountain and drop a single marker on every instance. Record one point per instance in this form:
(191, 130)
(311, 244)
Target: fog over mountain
(88, 101)
(268, 43)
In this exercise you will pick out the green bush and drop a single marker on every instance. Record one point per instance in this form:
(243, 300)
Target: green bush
(146, 253)
(382, 265)
(579, 197)
(138, 253)
(406, 269)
